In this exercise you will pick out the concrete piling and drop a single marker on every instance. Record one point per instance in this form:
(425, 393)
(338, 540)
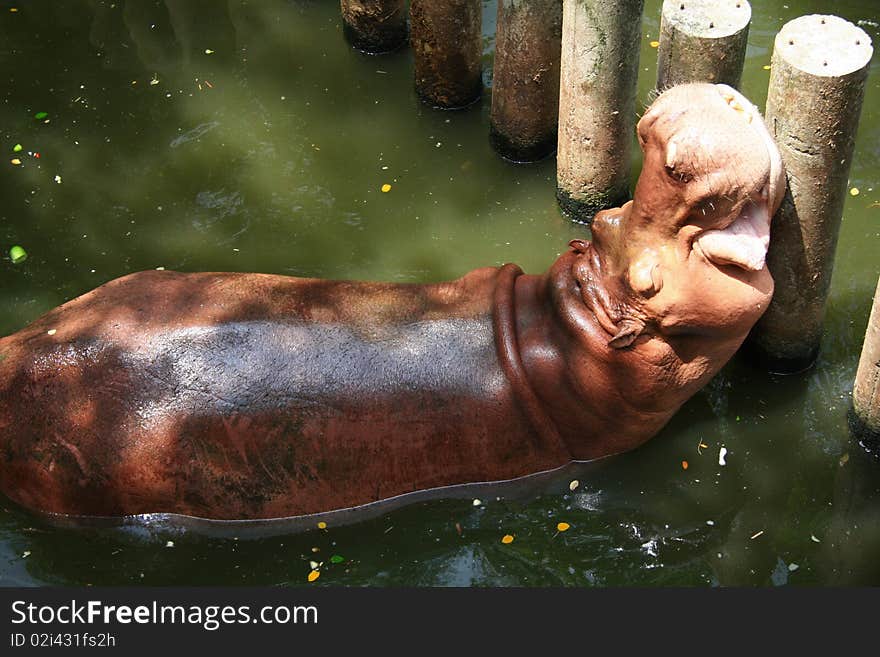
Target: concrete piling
(702, 41)
(597, 92)
(817, 84)
(447, 47)
(525, 87)
(374, 26)
(866, 391)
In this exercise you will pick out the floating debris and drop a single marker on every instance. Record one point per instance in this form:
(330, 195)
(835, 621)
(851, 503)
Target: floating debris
(507, 539)
(477, 502)
(854, 191)
(169, 544)
(766, 67)
(573, 485)
(208, 51)
(58, 179)
(315, 574)
(17, 148)
(684, 465)
(25, 554)
(39, 116)
(754, 536)
(337, 558)
(814, 539)
(386, 188)
(792, 567)
(15, 162)
(51, 331)
(314, 565)
(322, 525)
(563, 527)
(654, 44)
(722, 456)
(154, 81)
(17, 254)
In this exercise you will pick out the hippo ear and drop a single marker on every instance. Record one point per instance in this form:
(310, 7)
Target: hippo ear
(627, 332)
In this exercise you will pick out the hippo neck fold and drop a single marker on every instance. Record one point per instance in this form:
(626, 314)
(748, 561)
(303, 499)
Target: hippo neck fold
(504, 325)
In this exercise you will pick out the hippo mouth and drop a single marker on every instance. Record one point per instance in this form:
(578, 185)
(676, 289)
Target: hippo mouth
(744, 241)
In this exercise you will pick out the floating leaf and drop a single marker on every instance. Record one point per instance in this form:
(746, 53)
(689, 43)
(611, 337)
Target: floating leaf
(766, 67)
(684, 465)
(39, 116)
(15, 161)
(563, 527)
(336, 558)
(17, 254)
(477, 502)
(17, 148)
(854, 191)
(655, 44)
(574, 484)
(507, 539)
(386, 188)
(315, 574)
(322, 525)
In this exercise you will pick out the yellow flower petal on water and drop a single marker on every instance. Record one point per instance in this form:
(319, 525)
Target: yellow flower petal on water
(386, 188)
(507, 539)
(854, 191)
(655, 44)
(563, 527)
(322, 525)
(15, 161)
(766, 67)
(315, 574)
(574, 484)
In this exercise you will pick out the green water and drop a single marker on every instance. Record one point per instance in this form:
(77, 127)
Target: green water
(268, 154)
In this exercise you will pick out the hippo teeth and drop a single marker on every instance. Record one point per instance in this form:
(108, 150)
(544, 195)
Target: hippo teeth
(744, 243)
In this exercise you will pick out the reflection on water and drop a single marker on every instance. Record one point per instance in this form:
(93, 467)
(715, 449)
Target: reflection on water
(244, 136)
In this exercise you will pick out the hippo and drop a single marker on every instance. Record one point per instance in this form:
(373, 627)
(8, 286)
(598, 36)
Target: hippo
(230, 396)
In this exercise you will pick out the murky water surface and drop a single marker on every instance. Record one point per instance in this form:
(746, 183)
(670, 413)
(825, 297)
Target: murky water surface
(247, 136)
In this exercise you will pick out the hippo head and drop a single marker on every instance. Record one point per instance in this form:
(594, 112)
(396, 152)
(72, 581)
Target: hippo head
(686, 257)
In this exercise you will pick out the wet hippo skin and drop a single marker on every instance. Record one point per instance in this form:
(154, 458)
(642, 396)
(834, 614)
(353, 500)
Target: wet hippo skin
(251, 396)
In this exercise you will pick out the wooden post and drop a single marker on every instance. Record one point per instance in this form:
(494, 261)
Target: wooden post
(525, 84)
(447, 44)
(866, 391)
(702, 41)
(374, 26)
(597, 95)
(817, 83)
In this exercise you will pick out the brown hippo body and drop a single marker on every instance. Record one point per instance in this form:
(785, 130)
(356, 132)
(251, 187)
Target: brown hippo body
(249, 396)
